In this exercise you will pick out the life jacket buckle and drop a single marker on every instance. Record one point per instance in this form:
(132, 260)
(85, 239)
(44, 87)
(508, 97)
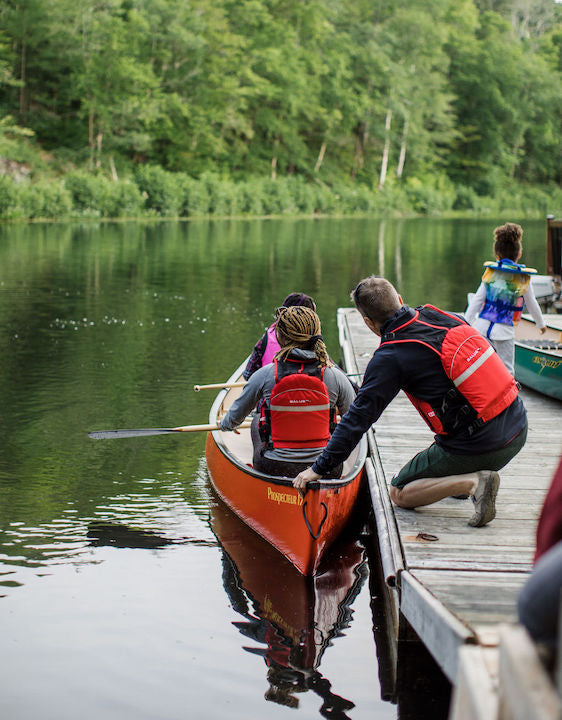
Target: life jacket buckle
(264, 424)
(474, 426)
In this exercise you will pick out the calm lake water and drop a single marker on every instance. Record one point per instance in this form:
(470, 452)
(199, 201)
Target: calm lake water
(126, 589)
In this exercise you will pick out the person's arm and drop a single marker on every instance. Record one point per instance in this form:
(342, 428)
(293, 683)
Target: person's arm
(255, 360)
(476, 303)
(533, 307)
(381, 384)
(251, 393)
(345, 391)
(549, 527)
(303, 478)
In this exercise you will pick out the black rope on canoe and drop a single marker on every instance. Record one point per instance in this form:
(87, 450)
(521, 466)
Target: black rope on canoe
(314, 537)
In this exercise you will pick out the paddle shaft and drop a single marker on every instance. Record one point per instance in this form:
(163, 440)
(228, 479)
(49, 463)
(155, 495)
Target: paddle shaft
(219, 386)
(240, 383)
(143, 432)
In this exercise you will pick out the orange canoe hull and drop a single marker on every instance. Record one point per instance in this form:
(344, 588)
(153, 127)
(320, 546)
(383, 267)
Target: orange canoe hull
(301, 529)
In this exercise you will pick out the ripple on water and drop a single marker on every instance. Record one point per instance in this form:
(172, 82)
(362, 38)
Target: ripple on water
(156, 518)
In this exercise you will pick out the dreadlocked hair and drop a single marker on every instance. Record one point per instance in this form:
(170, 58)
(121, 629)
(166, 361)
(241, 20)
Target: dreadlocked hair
(299, 327)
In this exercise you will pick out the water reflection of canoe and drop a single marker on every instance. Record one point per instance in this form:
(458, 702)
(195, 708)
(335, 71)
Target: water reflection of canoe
(302, 530)
(538, 358)
(291, 617)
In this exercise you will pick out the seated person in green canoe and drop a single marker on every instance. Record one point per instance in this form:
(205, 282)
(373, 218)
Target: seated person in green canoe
(297, 396)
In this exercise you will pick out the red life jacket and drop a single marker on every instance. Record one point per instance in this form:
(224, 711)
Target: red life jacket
(470, 363)
(298, 413)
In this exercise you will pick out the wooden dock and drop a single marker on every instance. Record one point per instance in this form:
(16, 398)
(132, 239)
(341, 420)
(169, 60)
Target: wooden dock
(457, 586)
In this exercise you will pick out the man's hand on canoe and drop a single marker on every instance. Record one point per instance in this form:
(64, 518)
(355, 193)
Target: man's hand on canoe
(303, 478)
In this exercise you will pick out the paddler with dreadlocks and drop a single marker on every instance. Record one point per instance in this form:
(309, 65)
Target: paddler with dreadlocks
(302, 390)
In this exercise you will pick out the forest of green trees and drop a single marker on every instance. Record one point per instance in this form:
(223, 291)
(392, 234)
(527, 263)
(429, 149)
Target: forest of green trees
(194, 107)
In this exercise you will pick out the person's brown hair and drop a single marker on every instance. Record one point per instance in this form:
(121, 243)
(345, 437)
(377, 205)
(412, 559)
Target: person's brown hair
(507, 243)
(299, 327)
(296, 298)
(376, 298)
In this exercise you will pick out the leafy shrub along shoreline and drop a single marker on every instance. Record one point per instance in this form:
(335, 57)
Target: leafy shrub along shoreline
(155, 192)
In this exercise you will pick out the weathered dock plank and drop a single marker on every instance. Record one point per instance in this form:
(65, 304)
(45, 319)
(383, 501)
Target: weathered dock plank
(455, 584)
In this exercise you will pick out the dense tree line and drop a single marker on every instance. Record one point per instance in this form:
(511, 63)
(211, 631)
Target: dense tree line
(440, 94)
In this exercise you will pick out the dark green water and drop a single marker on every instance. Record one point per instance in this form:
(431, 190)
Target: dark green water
(114, 598)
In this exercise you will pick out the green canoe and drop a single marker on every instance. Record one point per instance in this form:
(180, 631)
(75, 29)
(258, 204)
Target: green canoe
(538, 358)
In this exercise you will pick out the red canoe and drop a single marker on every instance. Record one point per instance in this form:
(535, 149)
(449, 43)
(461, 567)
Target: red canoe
(301, 529)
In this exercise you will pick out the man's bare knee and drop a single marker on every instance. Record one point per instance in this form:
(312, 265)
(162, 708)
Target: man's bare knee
(396, 496)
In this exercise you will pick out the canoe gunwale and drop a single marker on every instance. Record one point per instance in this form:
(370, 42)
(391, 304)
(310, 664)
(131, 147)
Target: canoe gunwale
(537, 349)
(322, 484)
(551, 354)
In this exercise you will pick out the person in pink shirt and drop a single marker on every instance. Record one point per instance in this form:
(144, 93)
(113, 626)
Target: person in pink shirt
(267, 345)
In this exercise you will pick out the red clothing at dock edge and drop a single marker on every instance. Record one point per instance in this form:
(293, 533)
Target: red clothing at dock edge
(549, 528)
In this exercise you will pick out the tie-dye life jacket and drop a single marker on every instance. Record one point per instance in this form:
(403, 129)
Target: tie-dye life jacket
(506, 282)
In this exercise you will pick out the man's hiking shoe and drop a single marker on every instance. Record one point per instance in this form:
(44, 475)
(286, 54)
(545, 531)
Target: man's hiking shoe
(484, 498)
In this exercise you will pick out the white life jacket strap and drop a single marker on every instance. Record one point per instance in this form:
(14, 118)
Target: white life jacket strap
(474, 367)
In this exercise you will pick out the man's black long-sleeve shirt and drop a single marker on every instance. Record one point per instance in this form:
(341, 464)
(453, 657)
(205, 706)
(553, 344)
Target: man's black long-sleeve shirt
(416, 369)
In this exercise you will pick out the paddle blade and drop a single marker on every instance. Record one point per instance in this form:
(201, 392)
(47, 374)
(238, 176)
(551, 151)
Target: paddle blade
(110, 434)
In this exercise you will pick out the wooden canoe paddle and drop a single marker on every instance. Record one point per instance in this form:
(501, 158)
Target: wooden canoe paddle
(241, 383)
(110, 434)
(219, 386)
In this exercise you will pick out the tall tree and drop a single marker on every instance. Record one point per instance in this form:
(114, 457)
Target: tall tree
(417, 91)
(113, 86)
(22, 21)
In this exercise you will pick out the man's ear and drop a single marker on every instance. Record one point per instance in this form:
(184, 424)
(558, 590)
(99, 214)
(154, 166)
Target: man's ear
(373, 327)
